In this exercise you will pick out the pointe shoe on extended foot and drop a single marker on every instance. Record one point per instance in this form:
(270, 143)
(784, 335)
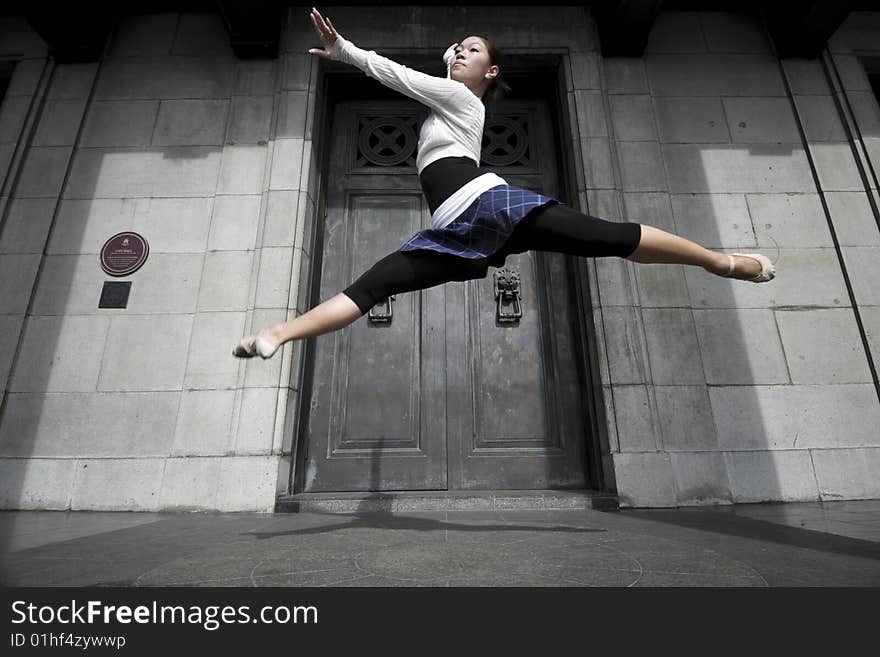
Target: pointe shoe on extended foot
(768, 269)
(254, 346)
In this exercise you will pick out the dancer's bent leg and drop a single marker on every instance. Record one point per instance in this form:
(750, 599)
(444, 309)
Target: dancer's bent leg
(563, 229)
(396, 273)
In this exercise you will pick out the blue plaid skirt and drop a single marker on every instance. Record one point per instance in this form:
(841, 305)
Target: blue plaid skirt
(484, 227)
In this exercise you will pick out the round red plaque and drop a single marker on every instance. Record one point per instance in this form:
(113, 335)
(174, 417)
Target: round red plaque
(124, 254)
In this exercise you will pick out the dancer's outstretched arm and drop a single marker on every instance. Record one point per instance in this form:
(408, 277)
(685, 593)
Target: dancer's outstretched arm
(441, 94)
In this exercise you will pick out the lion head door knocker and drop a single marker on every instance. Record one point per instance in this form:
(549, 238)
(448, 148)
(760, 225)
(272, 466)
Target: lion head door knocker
(382, 318)
(507, 295)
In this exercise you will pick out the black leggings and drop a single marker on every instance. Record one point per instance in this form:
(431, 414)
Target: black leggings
(552, 227)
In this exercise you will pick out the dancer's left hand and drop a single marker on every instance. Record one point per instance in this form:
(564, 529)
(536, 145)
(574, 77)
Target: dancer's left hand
(326, 31)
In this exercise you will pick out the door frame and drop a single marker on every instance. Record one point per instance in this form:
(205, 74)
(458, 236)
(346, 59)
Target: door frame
(337, 81)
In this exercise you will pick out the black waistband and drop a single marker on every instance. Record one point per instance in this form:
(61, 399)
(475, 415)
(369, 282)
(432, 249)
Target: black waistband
(443, 177)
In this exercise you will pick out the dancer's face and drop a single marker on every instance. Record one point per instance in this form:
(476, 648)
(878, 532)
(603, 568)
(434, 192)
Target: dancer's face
(472, 66)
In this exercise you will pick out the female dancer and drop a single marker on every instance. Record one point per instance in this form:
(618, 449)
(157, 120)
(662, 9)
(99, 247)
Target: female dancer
(478, 219)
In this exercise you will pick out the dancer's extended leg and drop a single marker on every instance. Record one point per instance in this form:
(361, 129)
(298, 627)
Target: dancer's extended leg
(396, 273)
(563, 229)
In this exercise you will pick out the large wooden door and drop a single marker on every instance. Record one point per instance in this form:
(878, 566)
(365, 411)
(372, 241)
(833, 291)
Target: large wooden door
(446, 392)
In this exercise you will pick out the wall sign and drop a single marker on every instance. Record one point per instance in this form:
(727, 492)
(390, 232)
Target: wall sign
(124, 254)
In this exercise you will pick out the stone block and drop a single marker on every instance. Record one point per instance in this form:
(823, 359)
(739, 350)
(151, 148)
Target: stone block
(700, 478)
(847, 473)
(632, 116)
(823, 346)
(286, 164)
(676, 31)
(853, 219)
(273, 289)
(241, 171)
(300, 281)
(146, 352)
(590, 108)
(256, 424)
(210, 363)
(761, 120)
(672, 346)
(10, 330)
(741, 347)
(863, 266)
(226, 281)
(771, 476)
(644, 479)
(191, 123)
(795, 220)
(651, 208)
(871, 321)
(615, 282)
(40, 484)
(234, 222)
(297, 71)
(17, 276)
(685, 417)
(201, 33)
(185, 171)
(603, 203)
(166, 77)
(203, 422)
(805, 277)
(661, 285)
(171, 225)
(795, 417)
(820, 118)
(72, 80)
(13, 112)
(190, 484)
(691, 120)
(584, 70)
(256, 77)
(247, 483)
(119, 123)
(76, 424)
(852, 72)
(25, 77)
(60, 354)
(292, 115)
(836, 167)
(641, 166)
(281, 218)
(805, 76)
(42, 173)
(59, 122)
(251, 116)
(634, 415)
(624, 345)
(866, 112)
(117, 484)
(718, 168)
(625, 75)
(727, 31)
(714, 74)
(713, 220)
(147, 34)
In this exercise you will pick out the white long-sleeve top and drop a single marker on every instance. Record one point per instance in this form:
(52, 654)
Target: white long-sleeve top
(454, 127)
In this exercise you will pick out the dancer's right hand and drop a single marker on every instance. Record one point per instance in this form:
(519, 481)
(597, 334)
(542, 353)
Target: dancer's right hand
(326, 31)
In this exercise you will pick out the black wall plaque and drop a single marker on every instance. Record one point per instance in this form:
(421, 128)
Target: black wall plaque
(115, 294)
(124, 253)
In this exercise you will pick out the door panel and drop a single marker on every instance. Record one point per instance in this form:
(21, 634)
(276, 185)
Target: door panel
(443, 395)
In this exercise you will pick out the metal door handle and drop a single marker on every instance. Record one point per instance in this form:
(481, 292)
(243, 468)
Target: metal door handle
(507, 291)
(376, 318)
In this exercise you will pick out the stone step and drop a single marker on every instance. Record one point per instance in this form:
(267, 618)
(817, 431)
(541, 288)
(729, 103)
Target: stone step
(484, 500)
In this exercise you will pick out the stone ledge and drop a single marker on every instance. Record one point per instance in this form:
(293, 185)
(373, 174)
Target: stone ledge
(398, 501)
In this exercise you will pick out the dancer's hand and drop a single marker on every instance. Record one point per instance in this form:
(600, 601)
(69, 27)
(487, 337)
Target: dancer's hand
(326, 31)
(449, 55)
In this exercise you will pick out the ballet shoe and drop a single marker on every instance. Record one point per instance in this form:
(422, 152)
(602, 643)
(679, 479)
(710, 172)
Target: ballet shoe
(254, 346)
(767, 273)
